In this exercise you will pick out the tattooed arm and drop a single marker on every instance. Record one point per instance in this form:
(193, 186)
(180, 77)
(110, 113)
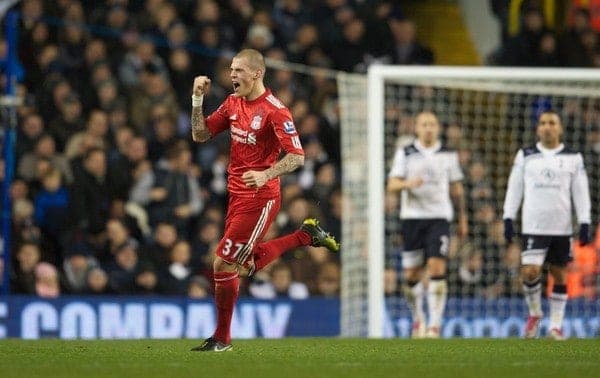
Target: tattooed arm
(289, 163)
(200, 132)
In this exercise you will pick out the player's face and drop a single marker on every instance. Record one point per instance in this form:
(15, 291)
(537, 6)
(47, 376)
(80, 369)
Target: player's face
(549, 129)
(243, 77)
(427, 128)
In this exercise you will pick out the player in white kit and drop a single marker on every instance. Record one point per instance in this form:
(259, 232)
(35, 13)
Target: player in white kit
(548, 178)
(427, 175)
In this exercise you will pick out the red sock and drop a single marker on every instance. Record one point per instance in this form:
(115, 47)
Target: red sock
(227, 287)
(269, 251)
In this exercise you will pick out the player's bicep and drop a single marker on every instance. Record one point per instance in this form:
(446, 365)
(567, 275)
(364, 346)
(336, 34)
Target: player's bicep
(218, 120)
(286, 133)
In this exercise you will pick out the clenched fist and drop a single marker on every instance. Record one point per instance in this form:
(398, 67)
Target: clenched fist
(201, 85)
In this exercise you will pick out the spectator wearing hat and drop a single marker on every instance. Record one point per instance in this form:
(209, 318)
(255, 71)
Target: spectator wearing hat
(76, 265)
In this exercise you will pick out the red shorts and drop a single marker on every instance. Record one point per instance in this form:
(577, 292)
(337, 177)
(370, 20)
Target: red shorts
(246, 223)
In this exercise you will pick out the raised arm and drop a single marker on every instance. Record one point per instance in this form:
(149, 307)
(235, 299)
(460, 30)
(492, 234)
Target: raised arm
(200, 132)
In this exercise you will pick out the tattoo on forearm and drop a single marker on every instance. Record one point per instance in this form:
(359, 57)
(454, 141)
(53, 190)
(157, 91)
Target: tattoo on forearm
(199, 131)
(287, 164)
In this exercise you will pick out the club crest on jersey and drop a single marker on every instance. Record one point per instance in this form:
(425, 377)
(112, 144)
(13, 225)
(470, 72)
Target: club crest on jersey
(256, 121)
(288, 127)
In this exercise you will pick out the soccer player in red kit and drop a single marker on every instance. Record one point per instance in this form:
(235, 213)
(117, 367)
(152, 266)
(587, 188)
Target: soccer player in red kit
(260, 127)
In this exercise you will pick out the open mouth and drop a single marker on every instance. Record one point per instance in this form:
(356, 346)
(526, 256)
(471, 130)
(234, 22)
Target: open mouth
(236, 86)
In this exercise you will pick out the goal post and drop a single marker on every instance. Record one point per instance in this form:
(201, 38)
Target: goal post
(493, 107)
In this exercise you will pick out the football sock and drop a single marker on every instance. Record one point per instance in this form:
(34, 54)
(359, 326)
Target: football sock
(227, 287)
(414, 294)
(266, 252)
(437, 292)
(558, 302)
(533, 296)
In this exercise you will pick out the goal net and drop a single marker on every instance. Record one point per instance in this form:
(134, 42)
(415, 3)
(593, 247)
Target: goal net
(487, 115)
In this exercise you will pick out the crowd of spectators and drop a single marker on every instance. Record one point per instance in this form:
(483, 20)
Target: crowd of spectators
(536, 42)
(111, 196)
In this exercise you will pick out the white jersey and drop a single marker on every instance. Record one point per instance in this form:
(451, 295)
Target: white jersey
(546, 180)
(437, 167)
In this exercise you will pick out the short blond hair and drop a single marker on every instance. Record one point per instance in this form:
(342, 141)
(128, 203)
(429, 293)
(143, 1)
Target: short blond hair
(254, 58)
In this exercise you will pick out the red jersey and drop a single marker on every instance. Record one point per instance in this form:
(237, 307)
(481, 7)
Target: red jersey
(259, 130)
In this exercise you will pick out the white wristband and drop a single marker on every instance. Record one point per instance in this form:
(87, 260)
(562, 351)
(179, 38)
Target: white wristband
(197, 101)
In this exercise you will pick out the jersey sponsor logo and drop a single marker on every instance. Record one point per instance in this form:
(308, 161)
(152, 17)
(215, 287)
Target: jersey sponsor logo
(256, 122)
(548, 174)
(242, 136)
(288, 127)
(275, 101)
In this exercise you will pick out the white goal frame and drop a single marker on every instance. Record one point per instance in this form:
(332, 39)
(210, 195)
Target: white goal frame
(481, 77)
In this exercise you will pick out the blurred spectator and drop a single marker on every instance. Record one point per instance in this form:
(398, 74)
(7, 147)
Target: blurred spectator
(177, 274)
(68, 122)
(117, 236)
(571, 43)
(406, 49)
(51, 205)
(97, 282)
(30, 130)
(44, 150)
(328, 280)
(165, 237)
(146, 280)
(198, 288)
(280, 285)
(23, 277)
(47, 283)
(78, 262)
(90, 198)
(170, 192)
(96, 131)
(524, 48)
(122, 271)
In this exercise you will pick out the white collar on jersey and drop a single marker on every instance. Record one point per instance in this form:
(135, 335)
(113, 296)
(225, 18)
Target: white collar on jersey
(428, 150)
(549, 150)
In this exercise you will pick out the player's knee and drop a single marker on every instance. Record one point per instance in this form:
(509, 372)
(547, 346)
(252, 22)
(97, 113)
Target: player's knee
(436, 266)
(412, 275)
(530, 273)
(220, 265)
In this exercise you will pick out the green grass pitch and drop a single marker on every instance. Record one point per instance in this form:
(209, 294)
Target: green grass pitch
(310, 357)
